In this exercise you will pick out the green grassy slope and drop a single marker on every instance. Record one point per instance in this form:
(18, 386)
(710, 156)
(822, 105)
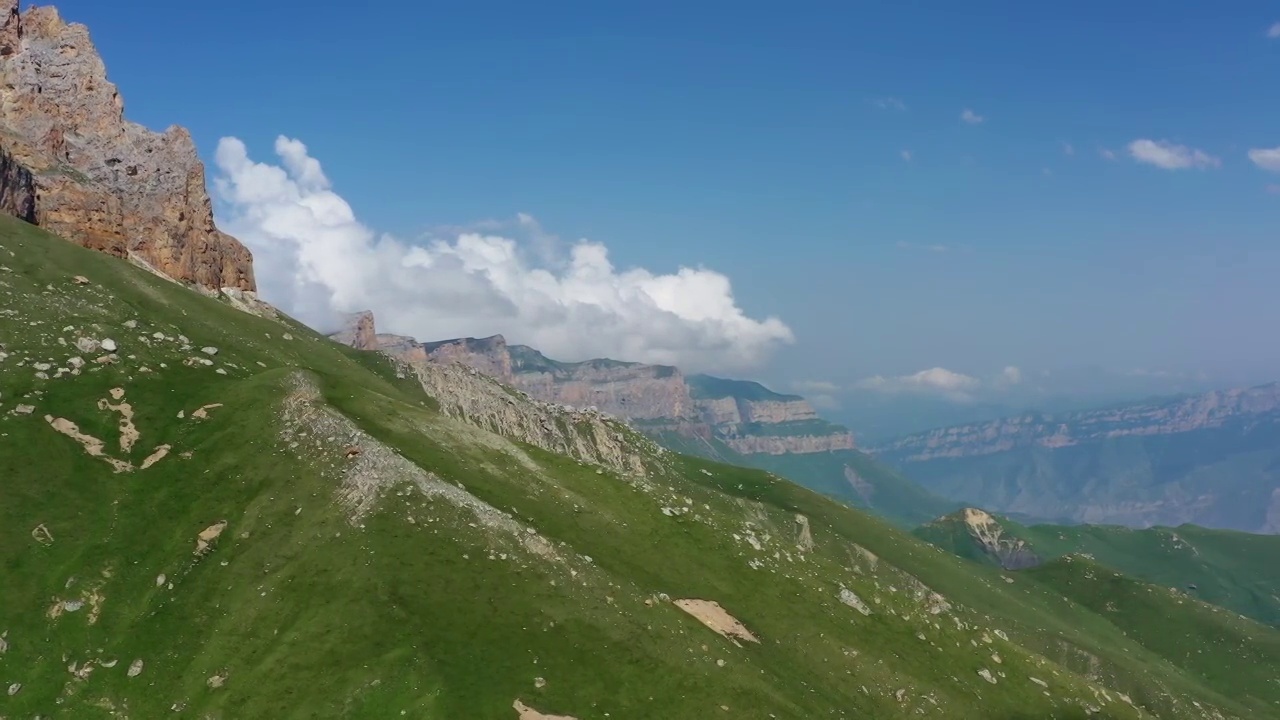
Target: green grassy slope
(850, 476)
(447, 572)
(1233, 653)
(1237, 571)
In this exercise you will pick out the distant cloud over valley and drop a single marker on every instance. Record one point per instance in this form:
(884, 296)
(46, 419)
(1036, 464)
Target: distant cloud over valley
(316, 260)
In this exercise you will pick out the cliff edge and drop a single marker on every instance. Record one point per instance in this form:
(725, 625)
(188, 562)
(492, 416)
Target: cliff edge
(71, 163)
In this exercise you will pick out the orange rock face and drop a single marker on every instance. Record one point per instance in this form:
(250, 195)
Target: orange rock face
(96, 178)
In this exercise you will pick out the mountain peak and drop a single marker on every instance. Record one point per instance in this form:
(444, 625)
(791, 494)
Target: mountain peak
(74, 165)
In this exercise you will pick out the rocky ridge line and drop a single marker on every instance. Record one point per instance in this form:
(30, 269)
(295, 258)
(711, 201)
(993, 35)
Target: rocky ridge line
(745, 416)
(1208, 410)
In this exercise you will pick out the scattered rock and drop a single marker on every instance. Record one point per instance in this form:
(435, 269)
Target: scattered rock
(4, 643)
(160, 579)
(76, 362)
(87, 345)
(24, 409)
(539, 682)
(216, 681)
(80, 280)
(848, 597)
(209, 350)
(131, 324)
(135, 668)
(14, 688)
(351, 452)
(109, 345)
(985, 674)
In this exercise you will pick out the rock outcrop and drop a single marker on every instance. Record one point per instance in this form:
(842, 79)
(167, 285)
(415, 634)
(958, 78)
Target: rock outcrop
(745, 416)
(72, 164)
(359, 332)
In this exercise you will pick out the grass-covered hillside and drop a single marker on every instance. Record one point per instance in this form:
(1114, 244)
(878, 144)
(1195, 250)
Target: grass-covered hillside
(210, 514)
(1235, 570)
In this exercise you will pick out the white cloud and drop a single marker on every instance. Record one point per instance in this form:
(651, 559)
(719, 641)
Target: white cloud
(1168, 156)
(1266, 158)
(939, 381)
(906, 155)
(889, 103)
(971, 117)
(1273, 189)
(1068, 149)
(1010, 376)
(1107, 154)
(316, 260)
(1273, 32)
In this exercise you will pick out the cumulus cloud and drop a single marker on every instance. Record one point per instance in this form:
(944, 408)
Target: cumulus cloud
(1266, 158)
(317, 261)
(971, 117)
(942, 382)
(1107, 154)
(1068, 149)
(906, 155)
(936, 380)
(1168, 156)
(1273, 32)
(1273, 189)
(889, 103)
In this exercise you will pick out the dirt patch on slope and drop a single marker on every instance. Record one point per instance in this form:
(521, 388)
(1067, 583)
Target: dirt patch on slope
(156, 456)
(92, 445)
(709, 613)
(207, 536)
(528, 713)
(128, 432)
(202, 412)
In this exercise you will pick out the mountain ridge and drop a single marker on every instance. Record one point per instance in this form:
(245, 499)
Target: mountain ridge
(1210, 459)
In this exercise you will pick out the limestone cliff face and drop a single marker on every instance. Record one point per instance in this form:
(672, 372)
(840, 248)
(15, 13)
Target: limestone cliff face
(481, 399)
(746, 416)
(100, 180)
(1208, 410)
(359, 332)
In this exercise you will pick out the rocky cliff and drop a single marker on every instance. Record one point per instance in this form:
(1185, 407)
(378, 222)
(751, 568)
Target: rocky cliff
(745, 416)
(71, 163)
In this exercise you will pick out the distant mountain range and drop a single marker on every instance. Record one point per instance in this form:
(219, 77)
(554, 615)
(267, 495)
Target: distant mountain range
(735, 421)
(1211, 459)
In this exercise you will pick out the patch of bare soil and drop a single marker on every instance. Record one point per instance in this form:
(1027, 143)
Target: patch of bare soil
(42, 535)
(92, 445)
(156, 456)
(207, 536)
(202, 412)
(709, 613)
(528, 713)
(128, 433)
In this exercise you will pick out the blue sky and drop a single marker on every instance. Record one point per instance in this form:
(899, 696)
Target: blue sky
(766, 141)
